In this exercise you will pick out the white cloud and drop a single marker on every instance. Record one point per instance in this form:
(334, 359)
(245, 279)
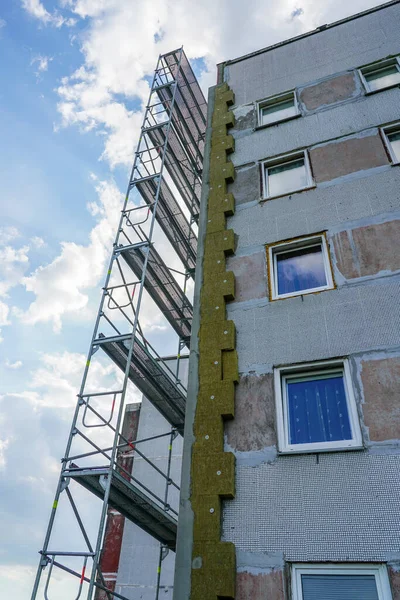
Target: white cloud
(4, 443)
(3, 23)
(4, 312)
(37, 10)
(42, 63)
(13, 265)
(61, 287)
(38, 242)
(123, 40)
(7, 234)
(15, 365)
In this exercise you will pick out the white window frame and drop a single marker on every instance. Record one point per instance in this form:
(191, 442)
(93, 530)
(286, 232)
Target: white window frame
(281, 374)
(382, 64)
(277, 100)
(387, 131)
(378, 570)
(281, 160)
(302, 243)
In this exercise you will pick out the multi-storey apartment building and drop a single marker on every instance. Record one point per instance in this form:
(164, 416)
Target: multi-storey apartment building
(291, 455)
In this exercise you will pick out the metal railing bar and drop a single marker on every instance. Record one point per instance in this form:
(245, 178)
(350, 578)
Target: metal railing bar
(102, 587)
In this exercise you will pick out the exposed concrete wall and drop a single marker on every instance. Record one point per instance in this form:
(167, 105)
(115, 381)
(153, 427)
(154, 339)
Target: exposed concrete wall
(337, 506)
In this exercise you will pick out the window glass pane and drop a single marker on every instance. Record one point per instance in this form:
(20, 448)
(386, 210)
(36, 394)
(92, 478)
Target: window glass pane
(287, 177)
(317, 409)
(278, 111)
(382, 78)
(394, 139)
(301, 269)
(339, 587)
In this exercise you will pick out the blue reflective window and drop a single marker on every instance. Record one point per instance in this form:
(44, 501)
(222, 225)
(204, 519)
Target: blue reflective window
(301, 269)
(317, 409)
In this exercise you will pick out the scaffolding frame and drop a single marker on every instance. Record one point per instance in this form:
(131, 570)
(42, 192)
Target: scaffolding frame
(164, 188)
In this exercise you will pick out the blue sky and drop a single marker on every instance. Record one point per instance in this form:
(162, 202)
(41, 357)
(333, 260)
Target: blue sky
(75, 75)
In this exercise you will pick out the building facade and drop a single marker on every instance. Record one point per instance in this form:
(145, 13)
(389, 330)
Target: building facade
(291, 457)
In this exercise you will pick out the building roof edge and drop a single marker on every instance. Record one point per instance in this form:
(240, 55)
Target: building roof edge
(309, 33)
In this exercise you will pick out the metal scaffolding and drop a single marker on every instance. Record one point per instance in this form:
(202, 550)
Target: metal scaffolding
(162, 199)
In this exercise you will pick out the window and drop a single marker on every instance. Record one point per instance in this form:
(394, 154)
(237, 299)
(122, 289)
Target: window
(278, 108)
(287, 174)
(340, 582)
(316, 409)
(299, 267)
(381, 75)
(392, 138)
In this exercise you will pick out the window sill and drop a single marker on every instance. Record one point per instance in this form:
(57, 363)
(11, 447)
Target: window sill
(306, 189)
(287, 452)
(303, 293)
(266, 125)
(388, 87)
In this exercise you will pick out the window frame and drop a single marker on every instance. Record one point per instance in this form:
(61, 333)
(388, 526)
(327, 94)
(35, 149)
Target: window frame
(298, 244)
(376, 66)
(286, 159)
(386, 131)
(281, 374)
(277, 100)
(379, 570)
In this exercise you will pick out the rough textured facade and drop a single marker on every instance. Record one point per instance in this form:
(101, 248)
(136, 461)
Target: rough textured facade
(315, 507)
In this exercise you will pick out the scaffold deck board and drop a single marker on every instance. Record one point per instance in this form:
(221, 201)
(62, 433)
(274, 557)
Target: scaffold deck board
(151, 378)
(163, 288)
(172, 220)
(130, 501)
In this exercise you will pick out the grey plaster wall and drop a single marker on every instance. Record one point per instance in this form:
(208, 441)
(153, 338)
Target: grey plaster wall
(361, 195)
(333, 50)
(137, 574)
(337, 507)
(340, 120)
(350, 319)
(340, 506)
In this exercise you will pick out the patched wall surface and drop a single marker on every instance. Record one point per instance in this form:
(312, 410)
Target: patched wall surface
(347, 156)
(246, 186)
(336, 89)
(260, 586)
(254, 425)
(394, 578)
(381, 385)
(250, 276)
(368, 250)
